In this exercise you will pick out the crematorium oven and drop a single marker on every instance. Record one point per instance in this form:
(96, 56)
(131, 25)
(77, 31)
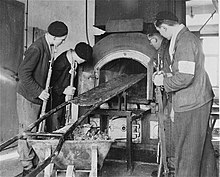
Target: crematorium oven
(117, 53)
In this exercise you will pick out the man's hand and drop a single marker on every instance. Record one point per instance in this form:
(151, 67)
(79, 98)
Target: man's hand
(169, 74)
(158, 78)
(44, 95)
(69, 90)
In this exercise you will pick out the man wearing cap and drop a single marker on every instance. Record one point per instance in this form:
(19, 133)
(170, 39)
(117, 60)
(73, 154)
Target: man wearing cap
(161, 45)
(31, 92)
(192, 97)
(65, 65)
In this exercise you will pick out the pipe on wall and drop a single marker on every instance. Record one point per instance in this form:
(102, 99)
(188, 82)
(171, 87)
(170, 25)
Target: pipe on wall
(86, 16)
(26, 26)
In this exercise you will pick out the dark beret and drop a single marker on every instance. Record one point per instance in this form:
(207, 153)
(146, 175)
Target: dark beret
(165, 15)
(83, 50)
(57, 29)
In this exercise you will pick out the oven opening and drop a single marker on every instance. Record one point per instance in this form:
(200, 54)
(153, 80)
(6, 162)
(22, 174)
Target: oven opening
(137, 94)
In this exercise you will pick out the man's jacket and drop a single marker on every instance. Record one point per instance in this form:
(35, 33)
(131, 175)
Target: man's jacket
(33, 70)
(190, 83)
(60, 79)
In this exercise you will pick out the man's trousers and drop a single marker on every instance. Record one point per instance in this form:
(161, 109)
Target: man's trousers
(194, 152)
(27, 114)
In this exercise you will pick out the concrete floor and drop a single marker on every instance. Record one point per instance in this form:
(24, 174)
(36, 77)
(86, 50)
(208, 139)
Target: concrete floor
(119, 169)
(10, 167)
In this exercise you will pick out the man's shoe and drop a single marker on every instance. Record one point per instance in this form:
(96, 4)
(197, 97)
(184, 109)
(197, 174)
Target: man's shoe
(26, 172)
(154, 173)
(170, 174)
(19, 175)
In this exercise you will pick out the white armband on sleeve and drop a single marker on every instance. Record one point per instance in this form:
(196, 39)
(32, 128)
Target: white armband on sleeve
(186, 67)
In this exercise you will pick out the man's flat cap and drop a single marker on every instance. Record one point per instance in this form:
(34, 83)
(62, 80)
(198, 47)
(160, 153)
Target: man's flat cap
(57, 29)
(166, 15)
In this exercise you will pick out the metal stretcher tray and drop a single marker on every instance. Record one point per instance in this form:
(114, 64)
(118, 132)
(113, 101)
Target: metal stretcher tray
(77, 153)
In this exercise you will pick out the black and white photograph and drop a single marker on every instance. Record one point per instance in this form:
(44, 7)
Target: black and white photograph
(109, 88)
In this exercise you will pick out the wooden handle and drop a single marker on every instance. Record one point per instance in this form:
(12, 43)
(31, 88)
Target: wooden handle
(68, 107)
(162, 138)
(31, 126)
(44, 106)
(9, 142)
